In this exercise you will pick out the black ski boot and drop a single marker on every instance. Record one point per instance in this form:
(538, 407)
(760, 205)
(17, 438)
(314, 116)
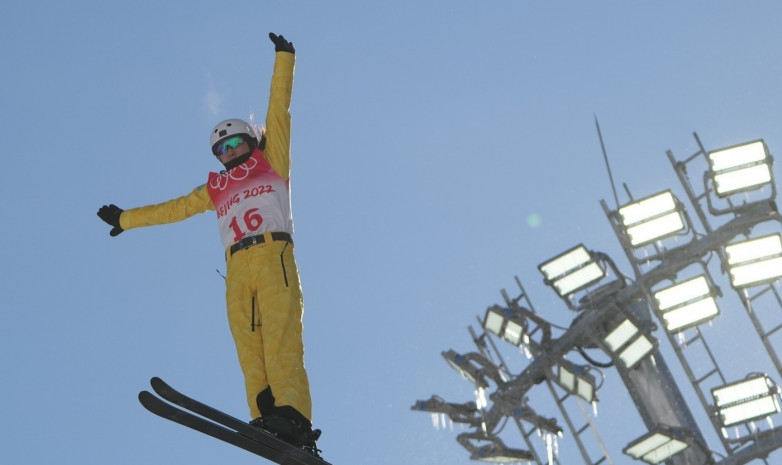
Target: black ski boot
(286, 423)
(293, 432)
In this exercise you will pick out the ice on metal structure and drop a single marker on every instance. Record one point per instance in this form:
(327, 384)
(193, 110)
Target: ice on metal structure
(524, 348)
(681, 340)
(480, 398)
(441, 421)
(552, 446)
(594, 408)
(726, 432)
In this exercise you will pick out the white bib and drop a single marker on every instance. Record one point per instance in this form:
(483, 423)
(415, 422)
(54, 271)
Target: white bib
(250, 199)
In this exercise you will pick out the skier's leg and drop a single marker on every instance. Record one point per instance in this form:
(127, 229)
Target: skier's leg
(243, 318)
(282, 306)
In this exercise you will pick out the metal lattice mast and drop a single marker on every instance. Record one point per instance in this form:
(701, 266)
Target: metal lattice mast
(576, 432)
(734, 211)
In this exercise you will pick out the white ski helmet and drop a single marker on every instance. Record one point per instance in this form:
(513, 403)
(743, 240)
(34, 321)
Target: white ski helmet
(230, 128)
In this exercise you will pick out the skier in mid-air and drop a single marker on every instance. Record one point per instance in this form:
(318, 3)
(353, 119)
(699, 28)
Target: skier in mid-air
(252, 200)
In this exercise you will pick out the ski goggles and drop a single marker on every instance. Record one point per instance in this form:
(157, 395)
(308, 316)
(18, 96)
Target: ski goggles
(223, 147)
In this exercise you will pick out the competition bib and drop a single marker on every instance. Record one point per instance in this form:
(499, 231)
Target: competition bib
(250, 199)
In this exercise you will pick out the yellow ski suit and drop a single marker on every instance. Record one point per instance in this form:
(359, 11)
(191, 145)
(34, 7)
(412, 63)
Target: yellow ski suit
(263, 292)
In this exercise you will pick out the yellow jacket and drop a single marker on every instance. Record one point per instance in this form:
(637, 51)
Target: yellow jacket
(277, 152)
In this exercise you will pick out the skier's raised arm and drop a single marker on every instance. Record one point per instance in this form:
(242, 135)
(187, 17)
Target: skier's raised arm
(278, 117)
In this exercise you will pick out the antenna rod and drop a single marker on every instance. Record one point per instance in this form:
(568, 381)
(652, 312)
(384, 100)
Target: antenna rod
(608, 167)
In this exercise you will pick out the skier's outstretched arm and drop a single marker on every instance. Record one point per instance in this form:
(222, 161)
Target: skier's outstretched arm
(278, 117)
(174, 210)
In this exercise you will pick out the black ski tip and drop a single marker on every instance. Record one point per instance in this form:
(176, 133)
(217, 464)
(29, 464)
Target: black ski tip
(145, 398)
(159, 385)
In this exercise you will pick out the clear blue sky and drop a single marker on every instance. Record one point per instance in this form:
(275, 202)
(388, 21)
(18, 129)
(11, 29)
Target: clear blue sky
(425, 136)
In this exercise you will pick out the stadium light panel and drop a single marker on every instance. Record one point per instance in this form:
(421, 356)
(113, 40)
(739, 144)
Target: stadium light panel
(506, 324)
(572, 271)
(494, 321)
(621, 335)
(463, 366)
(506, 455)
(629, 343)
(651, 219)
(514, 332)
(636, 351)
(576, 380)
(657, 446)
(686, 304)
(746, 400)
(497, 452)
(740, 168)
(755, 261)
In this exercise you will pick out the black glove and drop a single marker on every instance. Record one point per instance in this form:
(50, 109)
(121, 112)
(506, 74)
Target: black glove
(110, 214)
(280, 44)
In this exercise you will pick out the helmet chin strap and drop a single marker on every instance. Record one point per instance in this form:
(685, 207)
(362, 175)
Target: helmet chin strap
(237, 161)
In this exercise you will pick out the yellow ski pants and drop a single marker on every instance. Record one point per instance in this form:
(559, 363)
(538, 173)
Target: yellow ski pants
(264, 300)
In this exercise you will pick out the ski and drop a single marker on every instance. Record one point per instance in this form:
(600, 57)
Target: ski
(169, 412)
(215, 423)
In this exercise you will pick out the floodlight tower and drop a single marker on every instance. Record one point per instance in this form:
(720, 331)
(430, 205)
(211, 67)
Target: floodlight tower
(616, 318)
(577, 383)
(739, 185)
(673, 285)
(519, 325)
(677, 282)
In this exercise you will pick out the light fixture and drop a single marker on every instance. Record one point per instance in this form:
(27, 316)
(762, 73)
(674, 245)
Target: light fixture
(492, 453)
(473, 367)
(755, 261)
(740, 168)
(541, 423)
(436, 404)
(495, 451)
(686, 304)
(660, 444)
(652, 218)
(506, 323)
(576, 379)
(572, 271)
(750, 399)
(631, 345)
(460, 413)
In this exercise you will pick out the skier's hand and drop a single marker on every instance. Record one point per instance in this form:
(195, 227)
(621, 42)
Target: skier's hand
(280, 44)
(110, 214)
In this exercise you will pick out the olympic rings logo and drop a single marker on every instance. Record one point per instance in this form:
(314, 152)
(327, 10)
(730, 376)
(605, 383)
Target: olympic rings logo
(238, 173)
